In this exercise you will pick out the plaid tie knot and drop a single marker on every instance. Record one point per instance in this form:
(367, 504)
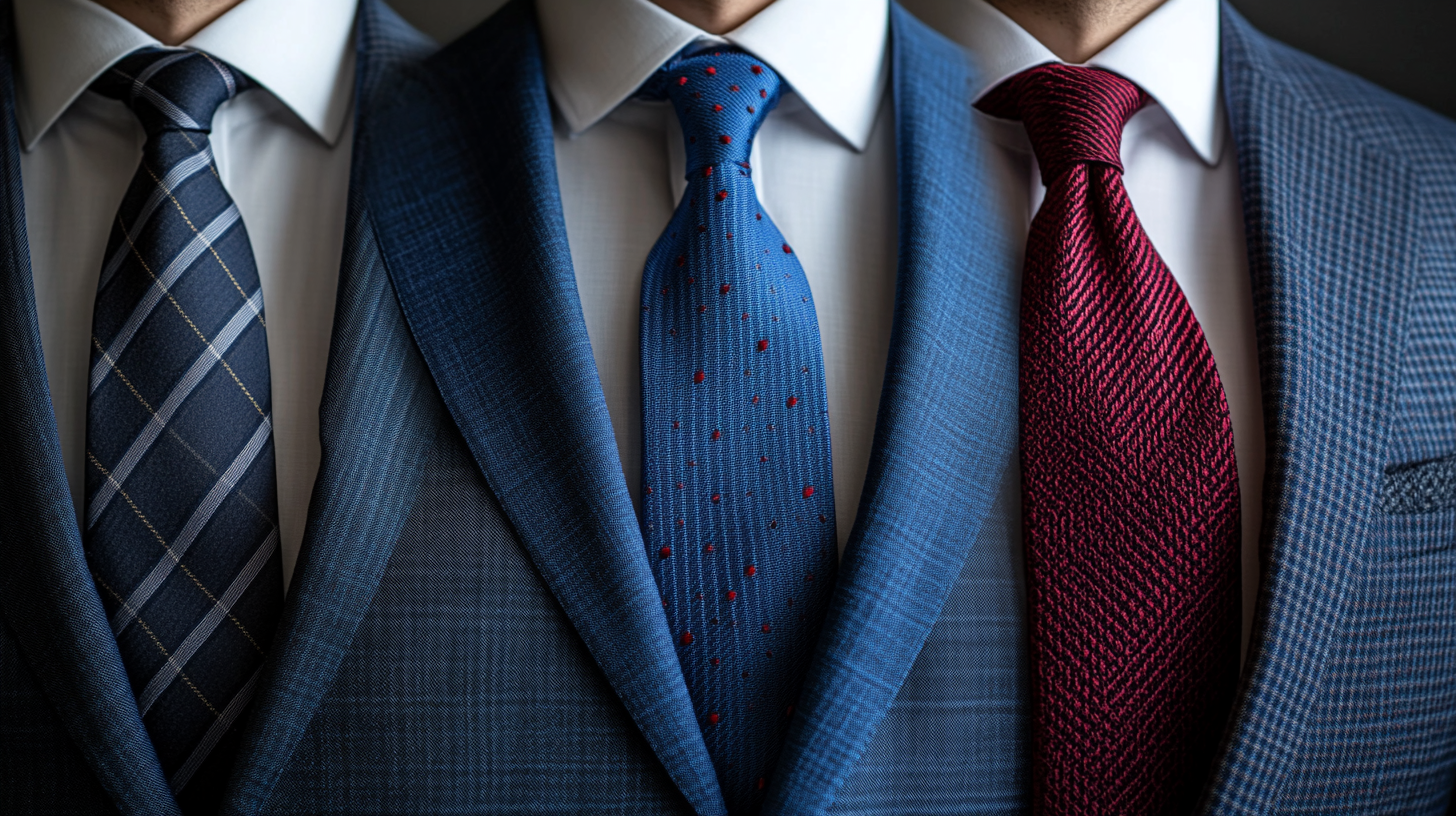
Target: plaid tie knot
(172, 88)
(1073, 115)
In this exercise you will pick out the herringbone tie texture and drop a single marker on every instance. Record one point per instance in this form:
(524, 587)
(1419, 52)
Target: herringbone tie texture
(181, 503)
(738, 509)
(1129, 485)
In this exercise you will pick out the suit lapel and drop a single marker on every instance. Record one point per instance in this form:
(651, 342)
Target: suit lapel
(46, 591)
(377, 423)
(465, 202)
(946, 430)
(1331, 239)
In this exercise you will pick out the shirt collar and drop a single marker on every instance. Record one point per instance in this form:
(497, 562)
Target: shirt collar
(1172, 54)
(832, 52)
(301, 52)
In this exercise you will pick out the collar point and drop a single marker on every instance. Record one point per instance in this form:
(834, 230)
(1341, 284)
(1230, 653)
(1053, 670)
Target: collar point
(1209, 154)
(25, 131)
(574, 123)
(859, 143)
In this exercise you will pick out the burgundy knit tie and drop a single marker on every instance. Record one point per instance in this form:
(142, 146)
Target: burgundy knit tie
(1129, 488)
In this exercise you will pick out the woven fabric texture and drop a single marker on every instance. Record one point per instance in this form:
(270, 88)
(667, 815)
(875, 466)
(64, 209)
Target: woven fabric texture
(1130, 494)
(1348, 701)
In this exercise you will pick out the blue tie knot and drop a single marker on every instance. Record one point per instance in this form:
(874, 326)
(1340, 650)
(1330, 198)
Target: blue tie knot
(722, 96)
(172, 88)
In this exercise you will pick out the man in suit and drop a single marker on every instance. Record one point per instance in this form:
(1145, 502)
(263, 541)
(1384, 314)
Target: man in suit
(1346, 575)
(170, 166)
(481, 621)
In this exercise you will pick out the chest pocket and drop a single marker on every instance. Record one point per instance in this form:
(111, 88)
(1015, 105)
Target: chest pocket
(1417, 521)
(1420, 487)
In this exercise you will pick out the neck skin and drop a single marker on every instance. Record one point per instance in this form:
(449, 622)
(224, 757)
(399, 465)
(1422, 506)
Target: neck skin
(714, 16)
(1075, 30)
(172, 22)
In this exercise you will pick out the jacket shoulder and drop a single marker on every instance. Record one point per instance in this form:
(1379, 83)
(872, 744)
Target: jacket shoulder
(1371, 115)
(386, 35)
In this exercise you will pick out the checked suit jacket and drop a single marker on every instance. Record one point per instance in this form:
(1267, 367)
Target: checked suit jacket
(473, 625)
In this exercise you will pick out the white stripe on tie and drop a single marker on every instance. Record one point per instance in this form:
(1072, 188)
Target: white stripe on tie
(139, 87)
(203, 514)
(151, 70)
(184, 170)
(225, 72)
(171, 111)
(204, 629)
(215, 731)
(194, 248)
(150, 432)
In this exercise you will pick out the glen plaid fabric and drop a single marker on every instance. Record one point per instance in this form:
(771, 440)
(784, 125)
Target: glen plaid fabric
(1349, 696)
(181, 506)
(1130, 491)
(738, 501)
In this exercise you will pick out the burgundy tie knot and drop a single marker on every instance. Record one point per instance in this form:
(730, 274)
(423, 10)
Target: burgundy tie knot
(1073, 115)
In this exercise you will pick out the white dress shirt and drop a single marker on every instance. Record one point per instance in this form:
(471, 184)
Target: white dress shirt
(824, 166)
(1181, 175)
(282, 152)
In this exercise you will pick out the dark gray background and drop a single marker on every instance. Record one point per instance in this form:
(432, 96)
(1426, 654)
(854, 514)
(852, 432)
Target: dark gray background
(1409, 46)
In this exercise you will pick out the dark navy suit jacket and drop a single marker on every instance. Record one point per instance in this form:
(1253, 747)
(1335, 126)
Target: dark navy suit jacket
(473, 627)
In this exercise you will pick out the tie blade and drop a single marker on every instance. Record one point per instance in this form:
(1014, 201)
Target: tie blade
(738, 500)
(1130, 486)
(181, 497)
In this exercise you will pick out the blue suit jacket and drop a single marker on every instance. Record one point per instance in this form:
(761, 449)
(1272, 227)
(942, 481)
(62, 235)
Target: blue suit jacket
(473, 627)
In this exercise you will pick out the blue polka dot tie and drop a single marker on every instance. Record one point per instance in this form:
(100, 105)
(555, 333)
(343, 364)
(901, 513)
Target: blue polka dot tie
(181, 504)
(738, 501)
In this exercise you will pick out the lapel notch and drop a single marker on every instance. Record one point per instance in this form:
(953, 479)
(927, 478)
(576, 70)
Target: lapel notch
(466, 204)
(946, 431)
(1332, 235)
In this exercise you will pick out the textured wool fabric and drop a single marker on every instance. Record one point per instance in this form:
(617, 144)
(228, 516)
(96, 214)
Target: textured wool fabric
(737, 486)
(1349, 700)
(181, 501)
(1130, 490)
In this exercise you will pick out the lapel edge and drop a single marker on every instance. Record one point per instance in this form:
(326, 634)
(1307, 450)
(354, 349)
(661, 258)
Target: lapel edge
(511, 360)
(346, 549)
(874, 632)
(1302, 494)
(48, 597)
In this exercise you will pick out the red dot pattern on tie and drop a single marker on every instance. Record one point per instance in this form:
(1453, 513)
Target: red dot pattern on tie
(728, 318)
(1129, 486)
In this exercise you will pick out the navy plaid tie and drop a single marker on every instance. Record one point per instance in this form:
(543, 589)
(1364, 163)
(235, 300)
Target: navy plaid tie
(738, 497)
(181, 502)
